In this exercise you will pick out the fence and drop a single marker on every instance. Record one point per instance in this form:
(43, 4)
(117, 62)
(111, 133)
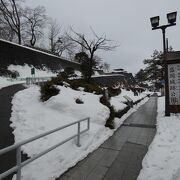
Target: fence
(36, 80)
(17, 147)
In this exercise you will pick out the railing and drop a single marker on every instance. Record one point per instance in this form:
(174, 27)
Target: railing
(36, 80)
(16, 79)
(20, 165)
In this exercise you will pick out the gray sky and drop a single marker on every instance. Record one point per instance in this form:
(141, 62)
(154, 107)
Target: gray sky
(124, 21)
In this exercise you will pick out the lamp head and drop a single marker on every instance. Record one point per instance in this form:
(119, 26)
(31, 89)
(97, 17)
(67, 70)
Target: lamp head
(171, 17)
(155, 21)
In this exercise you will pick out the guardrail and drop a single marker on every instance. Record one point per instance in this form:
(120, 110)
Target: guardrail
(16, 79)
(36, 80)
(20, 165)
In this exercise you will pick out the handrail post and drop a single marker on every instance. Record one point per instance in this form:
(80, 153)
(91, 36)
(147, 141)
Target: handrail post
(18, 159)
(78, 136)
(88, 123)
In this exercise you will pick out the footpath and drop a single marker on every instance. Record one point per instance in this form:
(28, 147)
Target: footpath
(7, 160)
(120, 157)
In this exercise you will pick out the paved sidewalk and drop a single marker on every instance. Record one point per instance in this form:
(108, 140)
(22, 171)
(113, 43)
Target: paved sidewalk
(120, 157)
(6, 137)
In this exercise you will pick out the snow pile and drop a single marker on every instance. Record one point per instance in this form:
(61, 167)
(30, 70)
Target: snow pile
(25, 71)
(118, 101)
(162, 161)
(30, 117)
(78, 73)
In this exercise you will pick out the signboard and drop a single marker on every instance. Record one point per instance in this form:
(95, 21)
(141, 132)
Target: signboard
(174, 83)
(32, 71)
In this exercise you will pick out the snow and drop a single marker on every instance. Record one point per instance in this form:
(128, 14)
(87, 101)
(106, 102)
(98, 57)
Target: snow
(119, 101)
(158, 93)
(58, 111)
(4, 82)
(78, 73)
(96, 73)
(25, 71)
(162, 162)
(30, 117)
(106, 75)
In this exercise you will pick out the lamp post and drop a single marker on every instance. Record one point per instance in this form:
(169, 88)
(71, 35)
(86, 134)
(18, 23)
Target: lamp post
(171, 17)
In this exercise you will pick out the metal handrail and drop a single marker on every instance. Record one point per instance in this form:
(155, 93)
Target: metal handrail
(17, 146)
(34, 80)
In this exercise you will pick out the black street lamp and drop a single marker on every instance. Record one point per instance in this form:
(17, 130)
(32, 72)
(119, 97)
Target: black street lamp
(171, 17)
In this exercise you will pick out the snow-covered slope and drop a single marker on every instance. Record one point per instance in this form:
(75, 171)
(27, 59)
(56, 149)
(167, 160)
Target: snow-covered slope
(25, 71)
(31, 117)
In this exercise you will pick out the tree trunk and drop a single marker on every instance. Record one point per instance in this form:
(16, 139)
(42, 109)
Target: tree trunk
(19, 38)
(33, 40)
(91, 66)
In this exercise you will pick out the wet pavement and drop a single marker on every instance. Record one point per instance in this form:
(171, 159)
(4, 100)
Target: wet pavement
(7, 160)
(120, 157)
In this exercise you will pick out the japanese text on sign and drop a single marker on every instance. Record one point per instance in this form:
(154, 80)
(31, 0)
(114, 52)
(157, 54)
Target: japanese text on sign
(174, 84)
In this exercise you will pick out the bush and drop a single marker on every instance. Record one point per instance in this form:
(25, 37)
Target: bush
(48, 90)
(119, 114)
(93, 88)
(114, 91)
(110, 120)
(63, 75)
(14, 74)
(104, 101)
(69, 71)
(75, 84)
(57, 81)
(88, 86)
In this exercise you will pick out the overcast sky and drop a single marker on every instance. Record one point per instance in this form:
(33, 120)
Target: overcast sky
(124, 21)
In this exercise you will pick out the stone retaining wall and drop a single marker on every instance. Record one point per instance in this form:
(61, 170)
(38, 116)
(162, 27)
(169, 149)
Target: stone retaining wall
(11, 53)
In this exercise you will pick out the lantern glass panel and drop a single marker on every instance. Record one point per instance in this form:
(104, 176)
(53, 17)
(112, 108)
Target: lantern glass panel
(172, 17)
(155, 21)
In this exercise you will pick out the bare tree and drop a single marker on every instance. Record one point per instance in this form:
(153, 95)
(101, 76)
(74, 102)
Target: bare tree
(35, 20)
(106, 67)
(64, 44)
(91, 46)
(54, 31)
(11, 12)
(5, 31)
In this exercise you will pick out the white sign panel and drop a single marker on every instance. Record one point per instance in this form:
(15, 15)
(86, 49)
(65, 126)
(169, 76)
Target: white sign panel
(174, 83)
